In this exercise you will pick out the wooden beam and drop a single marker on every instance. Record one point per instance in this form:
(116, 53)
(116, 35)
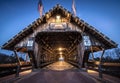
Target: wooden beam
(92, 52)
(18, 64)
(100, 65)
(83, 29)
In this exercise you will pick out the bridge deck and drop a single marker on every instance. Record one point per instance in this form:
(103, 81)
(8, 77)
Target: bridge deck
(60, 66)
(59, 72)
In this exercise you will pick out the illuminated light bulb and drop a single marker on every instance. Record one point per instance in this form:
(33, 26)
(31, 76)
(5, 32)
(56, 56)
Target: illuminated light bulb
(60, 49)
(58, 17)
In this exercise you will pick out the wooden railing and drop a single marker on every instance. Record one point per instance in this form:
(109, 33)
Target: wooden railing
(106, 67)
(7, 69)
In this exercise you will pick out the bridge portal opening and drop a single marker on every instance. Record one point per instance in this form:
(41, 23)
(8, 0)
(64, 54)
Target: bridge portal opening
(57, 46)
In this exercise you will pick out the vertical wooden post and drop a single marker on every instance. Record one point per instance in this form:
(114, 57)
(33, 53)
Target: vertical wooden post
(92, 52)
(18, 64)
(26, 58)
(38, 59)
(86, 67)
(80, 56)
(100, 65)
(39, 56)
(83, 29)
(32, 59)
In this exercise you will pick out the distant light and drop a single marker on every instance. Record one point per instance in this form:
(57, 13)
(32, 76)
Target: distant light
(60, 53)
(61, 58)
(58, 17)
(60, 49)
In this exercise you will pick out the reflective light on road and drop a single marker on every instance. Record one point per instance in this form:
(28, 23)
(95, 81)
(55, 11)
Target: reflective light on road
(26, 72)
(91, 71)
(59, 66)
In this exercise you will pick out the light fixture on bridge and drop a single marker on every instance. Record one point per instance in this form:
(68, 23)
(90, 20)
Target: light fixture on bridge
(58, 19)
(60, 49)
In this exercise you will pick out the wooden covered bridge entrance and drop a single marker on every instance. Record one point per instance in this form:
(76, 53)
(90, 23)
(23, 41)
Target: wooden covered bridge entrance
(54, 46)
(59, 35)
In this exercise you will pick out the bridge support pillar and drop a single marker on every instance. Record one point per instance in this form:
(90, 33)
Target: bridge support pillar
(39, 58)
(80, 56)
(100, 65)
(32, 59)
(18, 64)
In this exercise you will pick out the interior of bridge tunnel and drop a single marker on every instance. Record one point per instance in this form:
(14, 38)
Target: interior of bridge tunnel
(57, 46)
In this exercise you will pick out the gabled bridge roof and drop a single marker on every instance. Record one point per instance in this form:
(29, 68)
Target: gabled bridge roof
(76, 20)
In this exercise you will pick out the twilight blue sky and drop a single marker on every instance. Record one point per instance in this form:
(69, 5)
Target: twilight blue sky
(104, 15)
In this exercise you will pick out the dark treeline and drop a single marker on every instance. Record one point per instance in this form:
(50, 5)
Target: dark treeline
(108, 59)
(111, 55)
(4, 59)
